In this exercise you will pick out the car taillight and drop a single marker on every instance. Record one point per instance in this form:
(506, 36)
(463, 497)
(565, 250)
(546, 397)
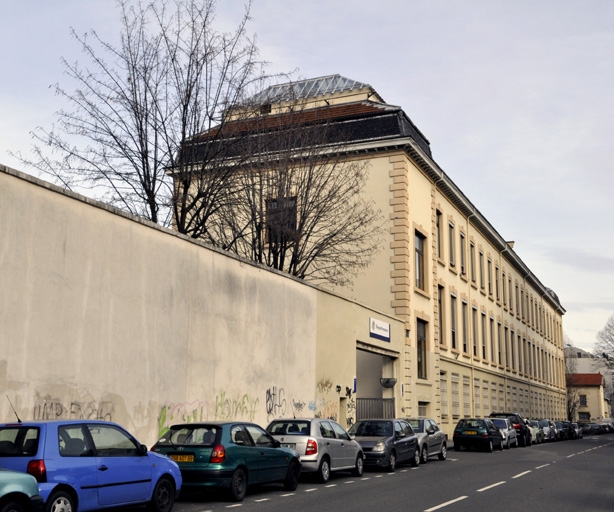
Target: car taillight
(37, 469)
(312, 447)
(218, 454)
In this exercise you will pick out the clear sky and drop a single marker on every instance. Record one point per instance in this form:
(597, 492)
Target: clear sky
(515, 97)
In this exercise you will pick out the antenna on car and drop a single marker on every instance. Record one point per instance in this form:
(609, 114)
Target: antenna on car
(17, 415)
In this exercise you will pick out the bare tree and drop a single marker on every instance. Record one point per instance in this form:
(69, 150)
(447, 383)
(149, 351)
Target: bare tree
(299, 204)
(136, 104)
(604, 347)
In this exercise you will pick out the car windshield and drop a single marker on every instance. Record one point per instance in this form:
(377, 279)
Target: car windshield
(417, 425)
(544, 423)
(289, 427)
(372, 428)
(471, 424)
(197, 435)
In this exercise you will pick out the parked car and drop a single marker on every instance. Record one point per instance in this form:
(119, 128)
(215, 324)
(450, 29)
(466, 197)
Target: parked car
(549, 429)
(538, 432)
(579, 434)
(231, 455)
(517, 421)
(19, 492)
(386, 442)
(323, 445)
(508, 433)
(431, 439)
(593, 428)
(477, 433)
(562, 432)
(89, 465)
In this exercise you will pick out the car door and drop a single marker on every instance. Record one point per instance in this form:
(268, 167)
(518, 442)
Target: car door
(272, 460)
(332, 444)
(124, 469)
(402, 442)
(434, 436)
(347, 448)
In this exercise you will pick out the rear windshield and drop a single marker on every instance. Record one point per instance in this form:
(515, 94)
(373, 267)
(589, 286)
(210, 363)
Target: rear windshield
(544, 423)
(293, 427)
(499, 423)
(471, 423)
(18, 441)
(190, 436)
(417, 425)
(372, 428)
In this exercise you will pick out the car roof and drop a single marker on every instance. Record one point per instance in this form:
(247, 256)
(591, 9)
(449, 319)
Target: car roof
(67, 421)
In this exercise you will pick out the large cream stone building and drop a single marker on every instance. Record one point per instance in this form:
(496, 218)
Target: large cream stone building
(482, 333)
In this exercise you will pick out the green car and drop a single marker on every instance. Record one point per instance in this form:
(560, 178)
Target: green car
(230, 455)
(19, 492)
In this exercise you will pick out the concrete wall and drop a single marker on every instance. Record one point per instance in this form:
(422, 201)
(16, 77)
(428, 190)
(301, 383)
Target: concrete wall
(106, 316)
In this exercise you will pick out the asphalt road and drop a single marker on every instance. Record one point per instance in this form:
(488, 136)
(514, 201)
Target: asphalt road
(562, 476)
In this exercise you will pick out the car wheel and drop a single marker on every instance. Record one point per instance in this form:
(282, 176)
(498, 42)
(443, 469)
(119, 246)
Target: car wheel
(291, 481)
(443, 454)
(12, 506)
(60, 501)
(489, 447)
(424, 455)
(324, 470)
(238, 485)
(415, 461)
(163, 497)
(392, 461)
(501, 446)
(359, 467)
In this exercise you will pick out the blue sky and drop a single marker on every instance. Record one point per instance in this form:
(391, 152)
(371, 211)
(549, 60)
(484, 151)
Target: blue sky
(515, 98)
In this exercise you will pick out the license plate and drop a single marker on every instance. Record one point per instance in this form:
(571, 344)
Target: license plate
(470, 432)
(182, 458)
(289, 445)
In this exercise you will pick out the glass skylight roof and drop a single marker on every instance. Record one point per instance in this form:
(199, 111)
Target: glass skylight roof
(308, 89)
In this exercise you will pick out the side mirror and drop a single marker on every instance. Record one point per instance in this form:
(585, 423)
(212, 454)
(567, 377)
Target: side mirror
(276, 443)
(142, 449)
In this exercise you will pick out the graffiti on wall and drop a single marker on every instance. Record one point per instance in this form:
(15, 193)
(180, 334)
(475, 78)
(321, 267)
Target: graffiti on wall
(275, 402)
(324, 386)
(225, 407)
(327, 409)
(54, 408)
(351, 407)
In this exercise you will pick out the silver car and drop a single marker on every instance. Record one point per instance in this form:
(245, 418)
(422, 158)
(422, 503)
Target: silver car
(323, 445)
(549, 429)
(508, 432)
(431, 439)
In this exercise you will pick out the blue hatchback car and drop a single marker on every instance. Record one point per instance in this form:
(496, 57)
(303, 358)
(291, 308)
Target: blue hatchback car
(83, 465)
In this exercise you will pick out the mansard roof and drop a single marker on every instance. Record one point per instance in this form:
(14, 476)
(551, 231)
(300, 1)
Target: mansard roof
(310, 88)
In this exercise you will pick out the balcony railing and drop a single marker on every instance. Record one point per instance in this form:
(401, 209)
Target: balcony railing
(374, 408)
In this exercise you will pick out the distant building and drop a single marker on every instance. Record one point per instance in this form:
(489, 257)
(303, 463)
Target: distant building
(589, 390)
(585, 362)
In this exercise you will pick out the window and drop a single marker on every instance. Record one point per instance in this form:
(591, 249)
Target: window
(482, 284)
(451, 227)
(422, 409)
(453, 321)
(463, 256)
(504, 289)
(484, 335)
(583, 402)
(465, 330)
(489, 276)
(439, 240)
(497, 296)
(472, 261)
(440, 310)
(281, 220)
(499, 340)
(110, 441)
(420, 275)
(474, 322)
(507, 346)
(421, 334)
(492, 340)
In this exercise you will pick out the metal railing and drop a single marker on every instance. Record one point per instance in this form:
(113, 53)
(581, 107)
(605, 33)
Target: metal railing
(374, 408)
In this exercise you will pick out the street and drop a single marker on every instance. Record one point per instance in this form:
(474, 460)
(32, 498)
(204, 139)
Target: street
(562, 476)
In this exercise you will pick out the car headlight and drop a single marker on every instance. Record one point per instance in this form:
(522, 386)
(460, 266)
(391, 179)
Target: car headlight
(380, 447)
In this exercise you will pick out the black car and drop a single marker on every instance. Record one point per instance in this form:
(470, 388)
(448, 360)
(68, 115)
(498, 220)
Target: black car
(477, 433)
(386, 442)
(519, 423)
